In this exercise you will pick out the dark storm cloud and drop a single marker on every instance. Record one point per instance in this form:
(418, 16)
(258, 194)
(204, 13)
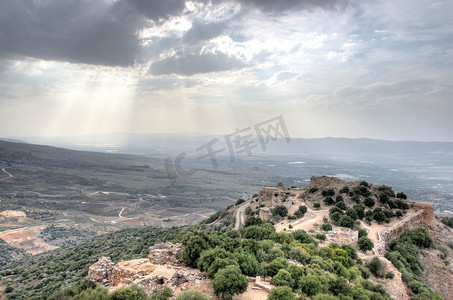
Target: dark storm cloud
(158, 9)
(194, 64)
(280, 6)
(91, 32)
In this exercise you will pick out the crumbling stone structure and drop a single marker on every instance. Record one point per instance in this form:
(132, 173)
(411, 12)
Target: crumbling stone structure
(265, 214)
(166, 254)
(422, 218)
(101, 271)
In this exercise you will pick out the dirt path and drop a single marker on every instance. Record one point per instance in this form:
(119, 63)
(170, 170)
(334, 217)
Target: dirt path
(306, 223)
(373, 231)
(119, 215)
(239, 215)
(7, 173)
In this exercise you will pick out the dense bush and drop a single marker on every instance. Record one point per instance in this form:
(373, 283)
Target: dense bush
(280, 210)
(192, 295)
(326, 227)
(365, 244)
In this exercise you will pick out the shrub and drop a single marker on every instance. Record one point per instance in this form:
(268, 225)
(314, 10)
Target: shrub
(369, 202)
(239, 201)
(302, 209)
(310, 285)
(316, 205)
(346, 221)
(375, 266)
(313, 190)
(130, 292)
(389, 275)
(320, 236)
(341, 205)
(447, 221)
(344, 190)
(364, 183)
(365, 244)
(280, 210)
(356, 199)
(192, 295)
(383, 198)
(326, 227)
(281, 293)
(283, 278)
(339, 199)
(362, 232)
(361, 190)
(336, 216)
(352, 213)
(329, 201)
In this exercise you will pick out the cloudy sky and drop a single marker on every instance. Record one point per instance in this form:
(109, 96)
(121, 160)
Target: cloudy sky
(378, 69)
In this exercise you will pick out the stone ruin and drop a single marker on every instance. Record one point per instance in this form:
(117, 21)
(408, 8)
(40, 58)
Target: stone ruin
(164, 266)
(273, 194)
(166, 254)
(101, 272)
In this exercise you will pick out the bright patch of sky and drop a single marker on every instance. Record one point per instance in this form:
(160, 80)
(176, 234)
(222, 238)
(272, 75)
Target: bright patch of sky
(376, 69)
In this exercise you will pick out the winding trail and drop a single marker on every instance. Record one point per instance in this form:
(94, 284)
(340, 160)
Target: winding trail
(7, 173)
(239, 214)
(119, 215)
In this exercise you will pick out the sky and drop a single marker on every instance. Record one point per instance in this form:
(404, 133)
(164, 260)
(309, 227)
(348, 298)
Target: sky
(338, 68)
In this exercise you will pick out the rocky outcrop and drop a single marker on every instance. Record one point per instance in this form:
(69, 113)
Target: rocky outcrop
(101, 272)
(166, 254)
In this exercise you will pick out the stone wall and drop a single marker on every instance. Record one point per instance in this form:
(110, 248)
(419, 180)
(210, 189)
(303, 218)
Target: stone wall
(386, 235)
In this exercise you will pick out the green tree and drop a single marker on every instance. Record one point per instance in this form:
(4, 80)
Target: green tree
(346, 221)
(369, 202)
(280, 210)
(192, 250)
(229, 281)
(258, 232)
(283, 278)
(365, 244)
(207, 257)
(247, 263)
(310, 285)
(281, 293)
(344, 190)
(220, 263)
(274, 266)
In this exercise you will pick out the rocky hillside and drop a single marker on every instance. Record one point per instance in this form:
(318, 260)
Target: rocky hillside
(330, 240)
